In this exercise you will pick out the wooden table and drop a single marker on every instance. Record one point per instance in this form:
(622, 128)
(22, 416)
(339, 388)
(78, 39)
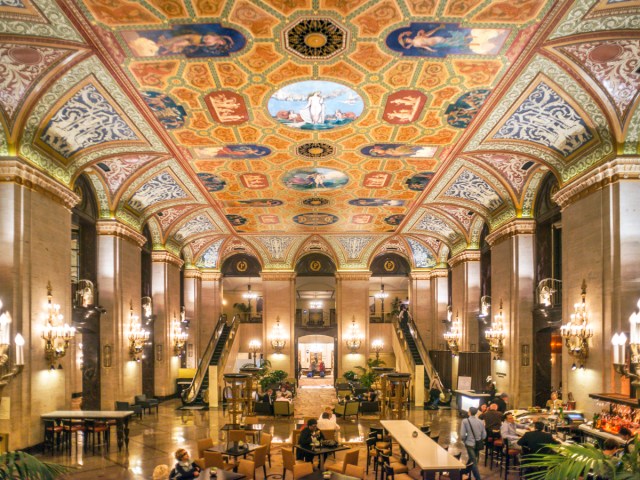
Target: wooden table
(233, 450)
(426, 453)
(220, 474)
(249, 427)
(322, 452)
(121, 418)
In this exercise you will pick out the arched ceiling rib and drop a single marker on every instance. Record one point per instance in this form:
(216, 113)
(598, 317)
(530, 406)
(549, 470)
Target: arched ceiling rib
(431, 118)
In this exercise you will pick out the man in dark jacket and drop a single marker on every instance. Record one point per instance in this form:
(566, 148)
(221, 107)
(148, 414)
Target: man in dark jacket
(501, 401)
(308, 436)
(492, 419)
(535, 442)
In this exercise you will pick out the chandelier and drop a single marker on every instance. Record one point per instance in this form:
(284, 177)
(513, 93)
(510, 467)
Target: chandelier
(180, 337)
(454, 335)
(278, 341)
(137, 335)
(577, 331)
(7, 372)
(353, 339)
(381, 295)
(56, 337)
(496, 335)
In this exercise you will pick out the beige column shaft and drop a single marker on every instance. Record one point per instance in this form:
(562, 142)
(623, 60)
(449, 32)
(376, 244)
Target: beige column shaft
(465, 271)
(194, 312)
(210, 308)
(279, 302)
(352, 301)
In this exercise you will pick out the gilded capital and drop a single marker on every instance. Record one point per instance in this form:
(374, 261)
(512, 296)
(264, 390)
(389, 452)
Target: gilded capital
(162, 256)
(464, 256)
(116, 229)
(209, 276)
(518, 226)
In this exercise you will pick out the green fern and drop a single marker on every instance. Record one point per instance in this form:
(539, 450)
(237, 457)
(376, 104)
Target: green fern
(21, 465)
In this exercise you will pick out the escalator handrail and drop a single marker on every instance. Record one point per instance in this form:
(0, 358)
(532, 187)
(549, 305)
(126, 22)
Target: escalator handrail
(189, 394)
(424, 355)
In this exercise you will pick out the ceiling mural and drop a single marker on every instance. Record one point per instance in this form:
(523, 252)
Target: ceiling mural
(241, 124)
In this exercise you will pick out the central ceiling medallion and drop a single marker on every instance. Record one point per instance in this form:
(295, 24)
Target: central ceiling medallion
(315, 150)
(315, 38)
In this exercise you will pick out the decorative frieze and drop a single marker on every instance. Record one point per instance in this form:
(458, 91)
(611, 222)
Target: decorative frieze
(211, 276)
(277, 276)
(515, 227)
(353, 275)
(116, 229)
(192, 273)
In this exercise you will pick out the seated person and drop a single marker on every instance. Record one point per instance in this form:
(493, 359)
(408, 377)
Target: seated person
(267, 397)
(554, 403)
(537, 440)
(283, 393)
(629, 439)
(610, 447)
(508, 430)
(347, 398)
(492, 418)
(185, 468)
(321, 369)
(309, 436)
(312, 370)
(370, 396)
(327, 421)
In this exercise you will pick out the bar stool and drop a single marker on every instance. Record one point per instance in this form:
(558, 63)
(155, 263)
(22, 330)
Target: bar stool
(496, 450)
(510, 454)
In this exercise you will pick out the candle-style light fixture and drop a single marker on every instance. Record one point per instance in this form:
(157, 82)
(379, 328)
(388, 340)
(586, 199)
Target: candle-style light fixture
(8, 371)
(377, 346)
(576, 332)
(254, 348)
(496, 334)
(381, 295)
(485, 306)
(180, 337)
(454, 335)
(278, 341)
(619, 342)
(137, 335)
(353, 339)
(248, 296)
(56, 337)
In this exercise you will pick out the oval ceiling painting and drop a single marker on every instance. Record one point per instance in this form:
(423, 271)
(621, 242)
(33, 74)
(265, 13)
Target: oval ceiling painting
(315, 105)
(315, 219)
(315, 178)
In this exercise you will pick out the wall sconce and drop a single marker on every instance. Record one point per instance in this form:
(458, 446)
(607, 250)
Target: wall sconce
(137, 335)
(56, 338)
(107, 361)
(619, 341)
(7, 372)
(377, 346)
(496, 335)
(278, 341)
(353, 339)
(454, 336)
(485, 306)
(254, 348)
(577, 332)
(180, 337)
(147, 309)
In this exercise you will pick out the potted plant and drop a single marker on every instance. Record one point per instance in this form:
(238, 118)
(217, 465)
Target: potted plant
(272, 377)
(22, 465)
(349, 375)
(574, 461)
(241, 307)
(368, 376)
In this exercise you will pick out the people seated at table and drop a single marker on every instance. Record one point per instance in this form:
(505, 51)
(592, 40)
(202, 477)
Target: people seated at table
(268, 396)
(309, 436)
(501, 401)
(370, 396)
(328, 422)
(284, 394)
(347, 398)
(472, 433)
(185, 468)
(536, 440)
(492, 418)
(508, 430)
(312, 369)
(554, 403)
(332, 416)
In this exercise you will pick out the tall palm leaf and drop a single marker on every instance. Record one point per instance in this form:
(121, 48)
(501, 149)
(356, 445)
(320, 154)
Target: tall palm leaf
(14, 465)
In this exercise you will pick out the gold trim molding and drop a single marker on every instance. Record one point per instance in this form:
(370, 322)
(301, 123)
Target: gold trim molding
(15, 171)
(362, 276)
(465, 256)
(120, 230)
(208, 276)
(621, 168)
(515, 227)
(162, 256)
(277, 276)
(192, 273)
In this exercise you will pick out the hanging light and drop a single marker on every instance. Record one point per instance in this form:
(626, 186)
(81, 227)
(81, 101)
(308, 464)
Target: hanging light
(137, 335)
(353, 339)
(381, 295)
(278, 341)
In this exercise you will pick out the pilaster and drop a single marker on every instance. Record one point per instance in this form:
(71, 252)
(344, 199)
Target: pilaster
(210, 308)
(279, 302)
(465, 272)
(429, 297)
(193, 311)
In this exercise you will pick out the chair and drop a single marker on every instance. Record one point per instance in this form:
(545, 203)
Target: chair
(348, 409)
(343, 389)
(263, 408)
(259, 457)
(52, 434)
(302, 470)
(282, 408)
(93, 428)
(508, 455)
(69, 429)
(147, 403)
(236, 436)
(294, 437)
(247, 468)
(350, 458)
(202, 445)
(265, 439)
(385, 458)
(354, 471)
(372, 453)
(216, 460)
(288, 461)
(251, 420)
(126, 406)
(329, 434)
(390, 474)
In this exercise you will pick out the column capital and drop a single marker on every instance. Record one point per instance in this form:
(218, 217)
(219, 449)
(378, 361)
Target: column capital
(192, 273)
(277, 276)
(518, 226)
(356, 275)
(464, 257)
(14, 170)
(429, 274)
(209, 276)
(162, 256)
(622, 168)
(116, 229)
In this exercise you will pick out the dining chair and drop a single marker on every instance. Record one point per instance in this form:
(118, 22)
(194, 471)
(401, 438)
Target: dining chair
(251, 420)
(288, 461)
(302, 470)
(216, 460)
(93, 428)
(354, 471)
(260, 458)
(350, 458)
(265, 439)
(202, 445)
(329, 434)
(247, 468)
(236, 436)
(389, 474)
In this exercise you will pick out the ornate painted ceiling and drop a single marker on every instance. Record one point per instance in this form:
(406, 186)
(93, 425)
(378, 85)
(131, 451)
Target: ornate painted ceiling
(352, 127)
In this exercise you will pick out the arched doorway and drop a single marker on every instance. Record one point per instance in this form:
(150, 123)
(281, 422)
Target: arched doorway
(316, 356)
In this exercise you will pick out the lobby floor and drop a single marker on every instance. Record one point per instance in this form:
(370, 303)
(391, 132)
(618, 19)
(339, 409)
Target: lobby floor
(154, 438)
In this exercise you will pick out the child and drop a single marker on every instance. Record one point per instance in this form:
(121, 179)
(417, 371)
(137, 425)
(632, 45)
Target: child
(185, 468)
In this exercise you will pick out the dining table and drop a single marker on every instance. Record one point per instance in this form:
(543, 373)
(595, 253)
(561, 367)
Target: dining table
(220, 474)
(121, 417)
(322, 452)
(320, 475)
(247, 427)
(234, 449)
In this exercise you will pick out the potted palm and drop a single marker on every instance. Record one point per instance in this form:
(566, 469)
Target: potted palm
(22, 465)
(569, 462)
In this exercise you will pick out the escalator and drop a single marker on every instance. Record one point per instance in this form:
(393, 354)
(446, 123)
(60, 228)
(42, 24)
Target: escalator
(214, 355)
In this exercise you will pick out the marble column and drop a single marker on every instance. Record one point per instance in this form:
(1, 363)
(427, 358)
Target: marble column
(601, 245)
(352, 302)
(465, 272)
(194, 312)
(279, 289)
(165, 269)
(35, 221)
(119, 278)
(512, 281)
(210, 308)
(429, 295)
